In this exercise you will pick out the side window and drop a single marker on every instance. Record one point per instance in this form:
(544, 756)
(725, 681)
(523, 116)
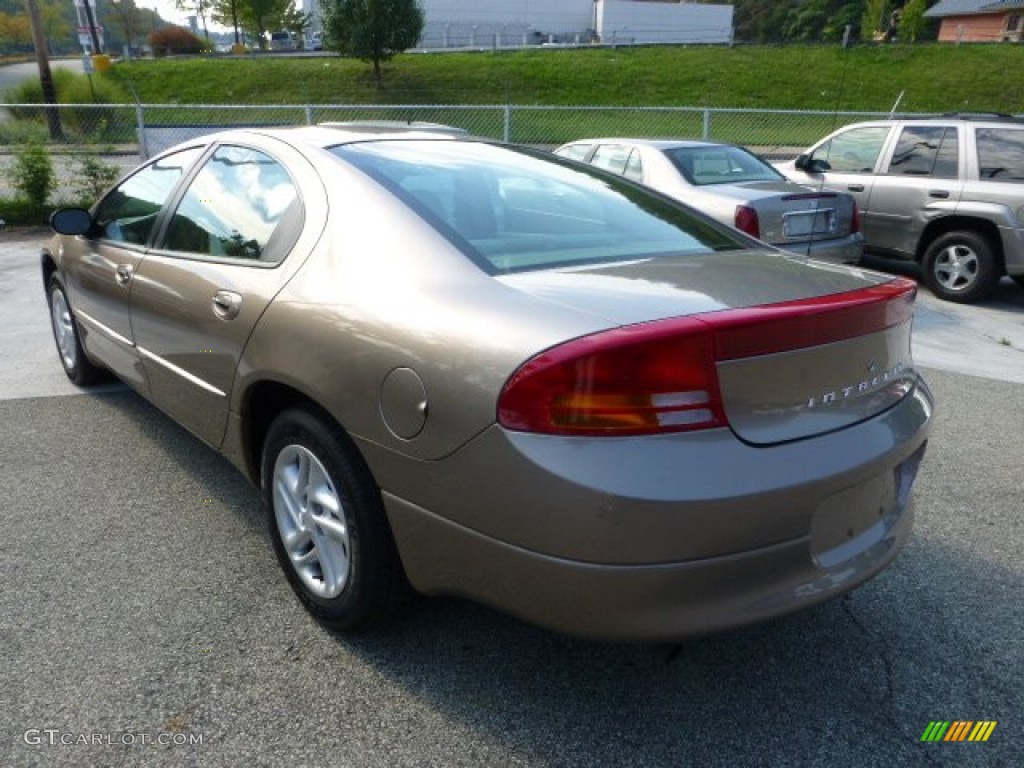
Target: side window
(853, 151)
(128, 213)
(926, 150)
(233, 207)
(574, 151)
(611, 157)
(634, 167)
(1001, 154)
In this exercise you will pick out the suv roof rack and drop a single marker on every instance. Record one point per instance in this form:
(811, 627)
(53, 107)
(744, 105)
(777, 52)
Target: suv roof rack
(990, 116)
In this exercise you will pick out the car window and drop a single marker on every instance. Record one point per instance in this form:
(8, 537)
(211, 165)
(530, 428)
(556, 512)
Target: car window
(853, 151)
(233, 207)
(574, 151)
(128, 212)
(514, 209)
(634, 167)
(611, 157)
(926, 150)
(720, 165)
(1000, 153)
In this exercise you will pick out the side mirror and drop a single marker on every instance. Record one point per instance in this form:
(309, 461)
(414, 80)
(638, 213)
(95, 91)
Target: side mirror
(810, 164)
(71, 221)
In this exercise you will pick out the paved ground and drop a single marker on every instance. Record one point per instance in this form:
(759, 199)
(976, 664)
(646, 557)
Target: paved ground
(141, 601)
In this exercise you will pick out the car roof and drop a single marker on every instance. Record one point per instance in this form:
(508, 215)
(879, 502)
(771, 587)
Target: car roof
(332, 134)
(656, 143)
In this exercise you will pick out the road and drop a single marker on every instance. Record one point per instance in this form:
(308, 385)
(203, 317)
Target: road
(141, 601)
(12, 74)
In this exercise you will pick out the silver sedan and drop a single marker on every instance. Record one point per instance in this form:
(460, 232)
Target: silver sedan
(737, 188)
(482, 370)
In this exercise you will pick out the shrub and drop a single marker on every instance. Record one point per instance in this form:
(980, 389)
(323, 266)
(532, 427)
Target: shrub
(33, 173)
(92, 177)
(169, 40)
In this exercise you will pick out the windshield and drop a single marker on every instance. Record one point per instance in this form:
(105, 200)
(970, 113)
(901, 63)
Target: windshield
(702, 166)
(514, 209)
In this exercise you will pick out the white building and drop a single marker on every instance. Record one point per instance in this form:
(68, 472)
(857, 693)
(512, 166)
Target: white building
(502, 23)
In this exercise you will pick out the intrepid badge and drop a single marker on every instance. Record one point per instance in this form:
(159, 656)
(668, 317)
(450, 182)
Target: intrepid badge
(859, 388)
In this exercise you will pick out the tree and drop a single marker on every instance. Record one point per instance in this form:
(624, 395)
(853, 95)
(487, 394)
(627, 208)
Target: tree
(201, 8)
(874, 19)
(373, 30)
(127, 17)
(913, 21)
(15, 31)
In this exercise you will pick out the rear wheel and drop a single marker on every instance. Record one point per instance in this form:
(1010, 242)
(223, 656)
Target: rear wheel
(65, 333)
(960, 266)
(327, 523)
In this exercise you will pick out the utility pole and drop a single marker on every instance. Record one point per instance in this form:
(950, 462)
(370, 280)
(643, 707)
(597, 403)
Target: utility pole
(45, 75)
(91, 21)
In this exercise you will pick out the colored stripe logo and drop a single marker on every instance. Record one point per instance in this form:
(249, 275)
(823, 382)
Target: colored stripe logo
(959, 730)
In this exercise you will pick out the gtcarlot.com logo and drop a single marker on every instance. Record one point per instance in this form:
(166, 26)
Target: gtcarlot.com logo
(55, 737)
(959, 730)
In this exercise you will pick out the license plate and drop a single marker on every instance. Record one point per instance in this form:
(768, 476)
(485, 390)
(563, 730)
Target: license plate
(805, 223)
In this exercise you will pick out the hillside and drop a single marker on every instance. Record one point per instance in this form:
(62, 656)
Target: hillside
(933, 78)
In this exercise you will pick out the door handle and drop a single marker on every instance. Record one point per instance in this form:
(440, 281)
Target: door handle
(123, 274)
(939, 193)
(856, 187)
(226, 304)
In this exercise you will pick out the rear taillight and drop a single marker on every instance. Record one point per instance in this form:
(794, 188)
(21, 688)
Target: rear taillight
(662, 376)
(855, 221)
(746, 221)
(654, 377)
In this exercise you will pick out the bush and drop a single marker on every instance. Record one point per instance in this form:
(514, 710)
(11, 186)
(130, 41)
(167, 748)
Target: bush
(33, 174)
(169, 40)
(92, 177)
(73, 89)
(23, 213)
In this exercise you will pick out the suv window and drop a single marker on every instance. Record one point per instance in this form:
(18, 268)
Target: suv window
(855, 150)
(233, 206)
(1000, 154)
(926, 150)
(128, 213)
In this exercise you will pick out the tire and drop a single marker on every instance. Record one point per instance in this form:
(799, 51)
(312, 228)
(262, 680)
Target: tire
(327, 524)
(961, 267)
(73, 359)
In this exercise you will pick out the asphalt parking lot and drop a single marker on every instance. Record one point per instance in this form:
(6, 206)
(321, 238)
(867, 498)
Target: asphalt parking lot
(142, 604)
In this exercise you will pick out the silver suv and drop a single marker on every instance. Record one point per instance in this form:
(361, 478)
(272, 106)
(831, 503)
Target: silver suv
(947, 192)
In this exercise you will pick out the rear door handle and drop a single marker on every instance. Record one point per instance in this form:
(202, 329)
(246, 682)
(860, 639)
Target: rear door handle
(939, 193)
(226, 304)
(856, 187)
(123, 274)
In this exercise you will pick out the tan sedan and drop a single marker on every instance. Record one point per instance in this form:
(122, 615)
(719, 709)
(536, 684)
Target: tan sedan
(485, 371)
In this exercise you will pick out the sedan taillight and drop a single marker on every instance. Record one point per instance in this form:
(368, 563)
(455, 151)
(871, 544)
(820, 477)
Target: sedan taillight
(746, 221)
(662, 376)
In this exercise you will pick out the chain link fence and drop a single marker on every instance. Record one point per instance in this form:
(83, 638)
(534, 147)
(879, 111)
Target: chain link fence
(122, 134)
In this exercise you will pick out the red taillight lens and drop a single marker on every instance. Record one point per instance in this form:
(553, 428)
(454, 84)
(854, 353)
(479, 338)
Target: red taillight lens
(746, 221)
(654, 377)
(662, 377)
(855, 223)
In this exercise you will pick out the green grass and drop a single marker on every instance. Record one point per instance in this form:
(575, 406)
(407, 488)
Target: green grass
(933, 77)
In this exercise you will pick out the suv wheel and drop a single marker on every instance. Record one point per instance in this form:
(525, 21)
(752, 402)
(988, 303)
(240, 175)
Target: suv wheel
(960, 266)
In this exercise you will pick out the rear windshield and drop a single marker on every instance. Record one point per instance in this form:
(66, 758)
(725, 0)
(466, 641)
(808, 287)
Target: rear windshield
(514, 209)
(1001, 154)
(720, 165)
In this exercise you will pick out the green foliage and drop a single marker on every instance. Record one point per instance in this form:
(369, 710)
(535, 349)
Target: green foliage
(913, 22)
(92, 177)
(20, 213)
(373, 30)
(77, 92)
(875, 19)
(33, 173)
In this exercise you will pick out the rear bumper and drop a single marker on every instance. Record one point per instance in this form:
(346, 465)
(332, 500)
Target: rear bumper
(842, 250)
(662, 539)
